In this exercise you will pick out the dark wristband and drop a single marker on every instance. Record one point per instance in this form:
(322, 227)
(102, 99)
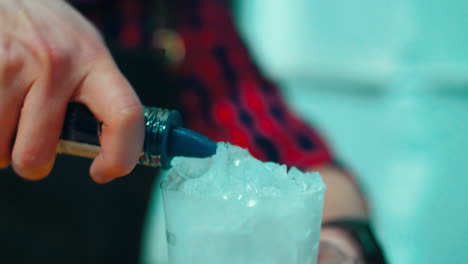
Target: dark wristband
(361, 231)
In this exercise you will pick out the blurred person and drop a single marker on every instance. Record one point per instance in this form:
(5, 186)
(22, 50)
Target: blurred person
(182, 54)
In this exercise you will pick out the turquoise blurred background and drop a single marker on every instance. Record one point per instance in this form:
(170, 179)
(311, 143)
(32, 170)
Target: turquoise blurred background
(387, 84)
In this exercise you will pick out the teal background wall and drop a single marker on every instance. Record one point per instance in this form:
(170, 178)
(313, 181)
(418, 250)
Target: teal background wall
(387, 83)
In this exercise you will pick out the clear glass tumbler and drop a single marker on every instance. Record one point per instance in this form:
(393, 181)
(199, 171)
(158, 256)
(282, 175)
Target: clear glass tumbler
(240, 230)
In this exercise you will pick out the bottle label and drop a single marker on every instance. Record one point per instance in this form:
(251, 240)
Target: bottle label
(78, 149)
(84, 150)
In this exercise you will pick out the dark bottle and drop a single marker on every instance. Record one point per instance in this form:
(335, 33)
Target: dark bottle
(164, 136)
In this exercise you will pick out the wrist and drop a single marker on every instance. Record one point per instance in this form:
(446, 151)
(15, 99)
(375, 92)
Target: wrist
(356, 236)
(342, 241)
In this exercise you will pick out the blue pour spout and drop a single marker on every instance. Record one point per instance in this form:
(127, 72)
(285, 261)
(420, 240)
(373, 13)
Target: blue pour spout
(188, 143)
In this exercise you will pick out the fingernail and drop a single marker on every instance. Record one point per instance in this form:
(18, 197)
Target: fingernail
(4, 163)
(33, 174)
(102, 179)
(105, 177)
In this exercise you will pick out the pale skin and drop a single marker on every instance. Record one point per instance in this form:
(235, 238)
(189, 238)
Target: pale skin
(51, 55)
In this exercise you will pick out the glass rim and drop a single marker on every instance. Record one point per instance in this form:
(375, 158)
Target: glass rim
(316, 192)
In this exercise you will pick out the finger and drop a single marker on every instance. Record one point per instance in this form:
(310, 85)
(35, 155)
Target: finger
(9, 111)
(39, 129)
(113, 101)
(15, 79)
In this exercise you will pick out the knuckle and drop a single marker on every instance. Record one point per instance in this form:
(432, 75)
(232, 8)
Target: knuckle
(71, 59)
(129, 114)
(11, 61)
(5, 45)
(56, 57)
(94, 50)
(52, 54)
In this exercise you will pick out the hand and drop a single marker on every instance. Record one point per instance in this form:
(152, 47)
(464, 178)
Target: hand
(336, 247)
(51, 55)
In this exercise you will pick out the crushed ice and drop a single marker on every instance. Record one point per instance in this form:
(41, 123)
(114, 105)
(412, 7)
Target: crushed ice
(234, 174)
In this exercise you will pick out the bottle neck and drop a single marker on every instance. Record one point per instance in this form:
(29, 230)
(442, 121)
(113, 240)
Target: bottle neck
(158, 125)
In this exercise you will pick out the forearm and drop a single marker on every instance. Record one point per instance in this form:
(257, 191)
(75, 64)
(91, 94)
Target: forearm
(343, 199)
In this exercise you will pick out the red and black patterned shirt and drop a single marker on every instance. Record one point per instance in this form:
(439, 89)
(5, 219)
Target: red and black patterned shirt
(223, 94)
